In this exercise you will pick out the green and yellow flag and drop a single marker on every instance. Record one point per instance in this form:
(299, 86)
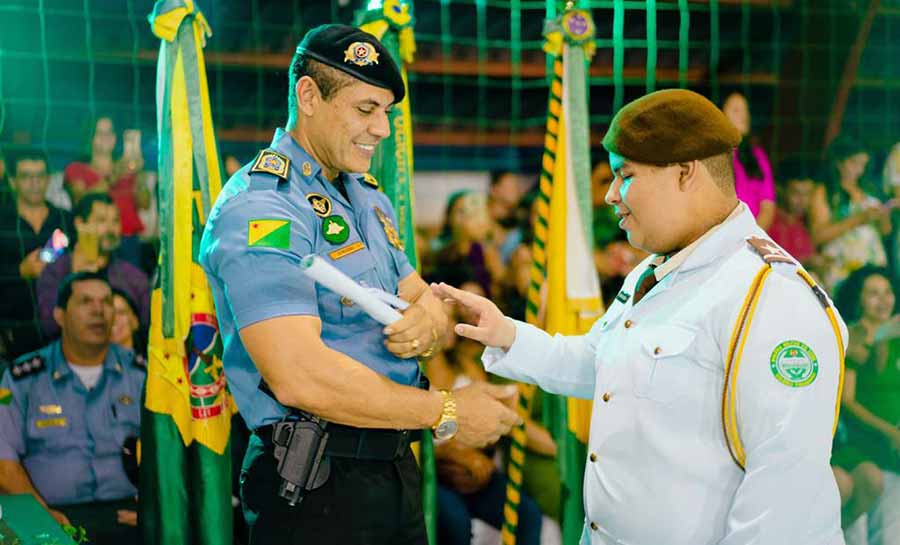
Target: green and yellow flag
(185, 476)
(563, 268)
(391, 21)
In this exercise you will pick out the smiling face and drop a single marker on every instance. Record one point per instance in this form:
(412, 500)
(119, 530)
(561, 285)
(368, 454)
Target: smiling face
(344, 130)
(649, 203)
(877, 299)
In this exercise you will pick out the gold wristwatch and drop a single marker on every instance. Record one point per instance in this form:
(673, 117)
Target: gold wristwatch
(446, 426)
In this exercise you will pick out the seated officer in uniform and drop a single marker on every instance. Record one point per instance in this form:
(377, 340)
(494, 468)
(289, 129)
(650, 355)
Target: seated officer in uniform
(65, 413)
(294, 349)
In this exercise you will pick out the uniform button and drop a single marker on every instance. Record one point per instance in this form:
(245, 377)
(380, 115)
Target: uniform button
(628, 324)
(606, 397)
(593, 457)
(594, 526)
(657, 351)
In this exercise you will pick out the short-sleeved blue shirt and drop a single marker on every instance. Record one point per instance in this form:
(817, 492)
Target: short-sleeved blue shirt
(259, 229)
(68, 438)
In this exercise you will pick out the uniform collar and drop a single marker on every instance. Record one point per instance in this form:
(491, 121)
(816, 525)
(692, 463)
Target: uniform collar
(59, 366)
(284, 143)
(709, 246)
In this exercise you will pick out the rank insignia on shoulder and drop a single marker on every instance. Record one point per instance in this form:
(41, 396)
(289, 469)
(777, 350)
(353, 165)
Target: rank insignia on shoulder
(370, 180)
(272, 162)
(321, 204)
(26, 367)
(389, 230)
(769, 251)
(335, 229)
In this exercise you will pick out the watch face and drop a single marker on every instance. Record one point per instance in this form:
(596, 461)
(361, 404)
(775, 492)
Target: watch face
(446, 430)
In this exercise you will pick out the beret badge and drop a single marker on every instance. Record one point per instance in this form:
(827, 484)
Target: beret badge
(361, 54)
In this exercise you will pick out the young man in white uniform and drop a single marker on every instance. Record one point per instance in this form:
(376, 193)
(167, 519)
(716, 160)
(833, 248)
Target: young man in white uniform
(715, 374)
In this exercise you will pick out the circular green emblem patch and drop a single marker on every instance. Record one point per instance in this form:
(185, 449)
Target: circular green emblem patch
(794, 364)
(335, 229)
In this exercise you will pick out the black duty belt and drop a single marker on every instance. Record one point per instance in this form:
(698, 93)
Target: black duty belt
(358, 443)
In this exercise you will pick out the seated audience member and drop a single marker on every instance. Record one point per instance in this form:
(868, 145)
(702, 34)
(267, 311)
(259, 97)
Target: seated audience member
(871, 394)
(470, 485)
(119, 179)
(69, 408)
(503, 206)
(126, 328)
(789, 227)
(26, 226)
(753, 180)
(97, 228)
(847, 222)
(463, 247)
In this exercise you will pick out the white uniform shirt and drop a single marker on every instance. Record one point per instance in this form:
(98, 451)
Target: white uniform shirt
(659, 471)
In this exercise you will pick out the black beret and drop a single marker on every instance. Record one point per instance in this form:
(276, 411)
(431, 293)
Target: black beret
(670, 126)
(354, 52)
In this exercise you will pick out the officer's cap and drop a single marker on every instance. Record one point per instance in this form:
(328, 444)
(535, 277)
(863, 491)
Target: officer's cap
(670, 126)
(356, 53)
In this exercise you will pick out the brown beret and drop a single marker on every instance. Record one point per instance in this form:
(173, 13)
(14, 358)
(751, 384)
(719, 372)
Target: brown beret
(670, 126)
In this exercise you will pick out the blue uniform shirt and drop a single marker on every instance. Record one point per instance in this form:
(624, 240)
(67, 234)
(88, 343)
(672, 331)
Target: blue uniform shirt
(259, 229)
(70, 439)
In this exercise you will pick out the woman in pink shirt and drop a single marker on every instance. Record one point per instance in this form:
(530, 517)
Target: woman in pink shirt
(753, 180)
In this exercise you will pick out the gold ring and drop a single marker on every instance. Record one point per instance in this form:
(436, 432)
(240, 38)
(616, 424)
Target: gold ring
(415, 344)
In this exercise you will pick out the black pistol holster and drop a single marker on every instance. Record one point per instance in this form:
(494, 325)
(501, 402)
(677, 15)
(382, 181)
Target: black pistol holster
(300, 452)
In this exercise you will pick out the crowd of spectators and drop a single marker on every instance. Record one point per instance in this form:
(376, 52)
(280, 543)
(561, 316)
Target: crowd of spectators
(838, 216)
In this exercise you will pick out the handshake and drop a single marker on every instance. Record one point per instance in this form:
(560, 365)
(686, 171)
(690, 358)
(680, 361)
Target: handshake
(485, 412)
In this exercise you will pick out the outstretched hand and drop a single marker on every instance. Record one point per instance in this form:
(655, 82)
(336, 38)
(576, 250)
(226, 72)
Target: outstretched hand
(492, 327)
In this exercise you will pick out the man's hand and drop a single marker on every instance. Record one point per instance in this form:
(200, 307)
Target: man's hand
(485, 412)
(492, 329)
(59, 517)
(411, 335)
(127, 517)
(32, 266)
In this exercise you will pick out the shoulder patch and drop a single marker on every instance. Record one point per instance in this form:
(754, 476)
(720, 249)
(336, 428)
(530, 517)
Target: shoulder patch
(769, 251)
(271, 162)
(370, 180)
(794, 364)
(26, 366)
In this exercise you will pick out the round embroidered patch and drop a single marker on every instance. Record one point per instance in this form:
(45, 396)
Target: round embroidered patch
(794, 364)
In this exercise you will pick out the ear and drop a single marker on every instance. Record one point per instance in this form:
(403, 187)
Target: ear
(58, 316)
(308, 95)
(688, 174)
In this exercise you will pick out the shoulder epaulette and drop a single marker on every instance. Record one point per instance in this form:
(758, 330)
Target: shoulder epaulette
(27, 365)
(271, 162)
(768, 251)
(370, 180)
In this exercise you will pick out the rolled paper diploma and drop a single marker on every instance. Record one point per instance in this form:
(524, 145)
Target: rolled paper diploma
(324, 273)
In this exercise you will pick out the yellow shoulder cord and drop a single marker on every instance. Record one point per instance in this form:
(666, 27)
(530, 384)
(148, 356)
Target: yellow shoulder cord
(736, 349)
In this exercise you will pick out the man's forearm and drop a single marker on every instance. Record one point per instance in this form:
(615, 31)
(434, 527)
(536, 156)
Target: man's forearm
(15, 480)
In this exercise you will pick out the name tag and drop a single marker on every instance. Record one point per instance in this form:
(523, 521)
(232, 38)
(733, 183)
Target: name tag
(52, 423)
(347, 250)
(50, 409)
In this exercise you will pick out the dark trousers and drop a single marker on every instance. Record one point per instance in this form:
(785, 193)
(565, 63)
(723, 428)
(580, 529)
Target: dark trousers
(456, 511)
(362, 503)
(100, 521)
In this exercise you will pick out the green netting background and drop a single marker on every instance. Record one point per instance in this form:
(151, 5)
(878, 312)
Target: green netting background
(479, 84)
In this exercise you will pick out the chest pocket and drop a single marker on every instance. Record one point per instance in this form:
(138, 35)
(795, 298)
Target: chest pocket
(51, 426)
(664, 366)
(358, 265)
(125, 414)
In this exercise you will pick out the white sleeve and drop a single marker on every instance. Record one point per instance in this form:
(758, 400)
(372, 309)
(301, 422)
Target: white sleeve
(787, 388)
(558, 364)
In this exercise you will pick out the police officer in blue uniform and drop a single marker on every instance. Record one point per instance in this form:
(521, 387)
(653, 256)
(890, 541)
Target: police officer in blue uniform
(67, 410)
(294, 350)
